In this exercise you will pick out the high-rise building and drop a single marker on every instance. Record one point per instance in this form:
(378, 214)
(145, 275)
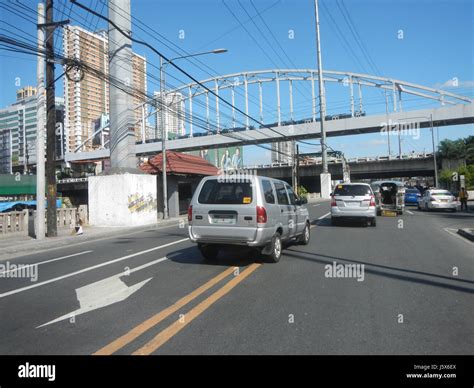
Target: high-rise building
(27, 91)
(18, 132)
(87, 97)
(283, 152)
(176, 114)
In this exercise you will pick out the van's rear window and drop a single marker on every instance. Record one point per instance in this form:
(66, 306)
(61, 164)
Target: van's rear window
(352, 190)
(225, 193)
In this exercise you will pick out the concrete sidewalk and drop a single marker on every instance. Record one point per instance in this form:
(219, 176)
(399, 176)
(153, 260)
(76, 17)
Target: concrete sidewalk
(13, 246)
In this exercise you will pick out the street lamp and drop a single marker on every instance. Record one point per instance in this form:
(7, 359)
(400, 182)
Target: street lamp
(164, 118)
(435, 165)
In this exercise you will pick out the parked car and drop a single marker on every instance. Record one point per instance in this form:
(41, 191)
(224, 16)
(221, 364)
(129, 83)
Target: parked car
(353, 201)
(389, 195)
(251, 211)
(412, 195)
(437, 199)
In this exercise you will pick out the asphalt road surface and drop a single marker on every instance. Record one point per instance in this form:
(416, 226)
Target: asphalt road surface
(152, 293)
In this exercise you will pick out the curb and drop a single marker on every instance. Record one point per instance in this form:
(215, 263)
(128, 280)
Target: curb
(466, 233)
(32, 245)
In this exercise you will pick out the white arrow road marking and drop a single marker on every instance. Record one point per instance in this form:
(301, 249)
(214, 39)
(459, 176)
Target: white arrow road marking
(51, 260)
(90, 268)
(105, 292)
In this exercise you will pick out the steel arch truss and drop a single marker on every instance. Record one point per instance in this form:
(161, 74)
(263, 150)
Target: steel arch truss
(354, 82)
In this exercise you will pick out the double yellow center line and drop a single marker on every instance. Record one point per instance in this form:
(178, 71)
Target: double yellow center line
(166, 334)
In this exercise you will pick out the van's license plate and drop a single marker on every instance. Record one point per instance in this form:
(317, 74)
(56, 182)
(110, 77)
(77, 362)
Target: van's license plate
(223, 220)
(389, 213)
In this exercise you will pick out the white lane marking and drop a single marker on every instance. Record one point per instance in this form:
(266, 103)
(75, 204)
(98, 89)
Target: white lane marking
(453, 232)
(48, 261)
(316, 205)
(328, 213)
(105, 292)
(90, 268)
(409, 212)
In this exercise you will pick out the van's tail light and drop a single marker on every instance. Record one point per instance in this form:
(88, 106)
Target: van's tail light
(261, 215)
(372, 201)
(333, 201)
(190, 213)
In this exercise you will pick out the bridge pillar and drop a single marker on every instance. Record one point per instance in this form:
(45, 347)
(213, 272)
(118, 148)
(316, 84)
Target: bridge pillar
(325, 185)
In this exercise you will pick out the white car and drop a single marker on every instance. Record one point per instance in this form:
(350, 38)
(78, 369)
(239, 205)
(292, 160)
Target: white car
(434, 199)
(353, 201)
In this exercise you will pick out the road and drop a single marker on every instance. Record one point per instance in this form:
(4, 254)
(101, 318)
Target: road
(158, 296)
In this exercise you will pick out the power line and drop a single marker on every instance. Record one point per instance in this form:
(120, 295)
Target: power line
(176, 67)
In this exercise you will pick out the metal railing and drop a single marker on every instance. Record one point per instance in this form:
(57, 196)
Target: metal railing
(363, 159)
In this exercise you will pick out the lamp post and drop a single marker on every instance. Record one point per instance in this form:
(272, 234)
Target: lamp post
(434, 152)
(164, 119)
(435, 165)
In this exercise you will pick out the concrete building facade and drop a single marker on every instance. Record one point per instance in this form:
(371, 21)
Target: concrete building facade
(87, 98)
(283, 152)
(18, 131)
(176, 114)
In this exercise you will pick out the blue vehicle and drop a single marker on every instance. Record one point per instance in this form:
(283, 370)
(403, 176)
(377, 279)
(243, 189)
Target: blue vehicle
(411, 196)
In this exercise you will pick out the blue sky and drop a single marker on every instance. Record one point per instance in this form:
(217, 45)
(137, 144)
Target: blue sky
(437, 45)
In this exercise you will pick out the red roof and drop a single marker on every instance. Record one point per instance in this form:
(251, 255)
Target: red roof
(178, 163)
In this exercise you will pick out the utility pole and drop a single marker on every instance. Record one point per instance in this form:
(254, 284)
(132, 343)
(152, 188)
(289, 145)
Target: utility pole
(297, 180)
(293, 165)
(434, 152)
(122, 136)
(51, 217)
(388, 125)
(399, 143)
(325, 176)
(164, 135)
(40, 172)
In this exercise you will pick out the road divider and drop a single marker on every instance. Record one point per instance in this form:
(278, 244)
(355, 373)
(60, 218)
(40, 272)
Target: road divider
(143, 327)
(168, 333)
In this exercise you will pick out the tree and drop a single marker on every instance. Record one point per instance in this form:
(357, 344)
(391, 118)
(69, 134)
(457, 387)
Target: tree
(452, 149)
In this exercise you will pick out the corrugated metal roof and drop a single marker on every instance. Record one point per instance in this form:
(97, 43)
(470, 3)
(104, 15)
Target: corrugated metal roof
(179, 163)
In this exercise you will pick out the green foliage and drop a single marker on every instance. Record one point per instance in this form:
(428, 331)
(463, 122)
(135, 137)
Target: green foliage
(445, 176)
(457, 149)
(302, 192)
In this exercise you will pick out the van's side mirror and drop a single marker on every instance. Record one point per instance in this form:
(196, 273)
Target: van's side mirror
(301, 201)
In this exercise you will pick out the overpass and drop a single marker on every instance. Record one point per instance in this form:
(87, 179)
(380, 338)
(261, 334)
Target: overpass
(379, 167)
(360, 168)
(453, 109)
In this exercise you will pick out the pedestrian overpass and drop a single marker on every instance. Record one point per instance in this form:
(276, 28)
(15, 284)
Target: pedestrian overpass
(449, 109)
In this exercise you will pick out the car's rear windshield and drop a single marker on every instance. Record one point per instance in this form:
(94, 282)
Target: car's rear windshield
(412, 191)
(352, 190)
(214, 192)
(440, 193)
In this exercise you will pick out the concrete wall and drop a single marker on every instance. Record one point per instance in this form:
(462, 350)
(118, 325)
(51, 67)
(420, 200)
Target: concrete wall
(122, 200)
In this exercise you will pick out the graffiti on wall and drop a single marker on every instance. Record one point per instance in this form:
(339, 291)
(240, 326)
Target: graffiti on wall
(138, 203)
